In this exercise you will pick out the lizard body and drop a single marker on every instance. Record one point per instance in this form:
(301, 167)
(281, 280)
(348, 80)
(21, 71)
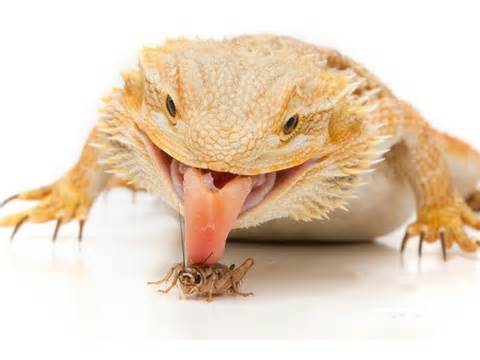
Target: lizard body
(275, 139)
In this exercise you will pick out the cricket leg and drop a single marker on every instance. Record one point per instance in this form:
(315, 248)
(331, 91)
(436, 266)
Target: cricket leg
(210, 288)
(442, 213)
(167, 277)
(238, 273)
(172, 284)
(237, 291)
(68, 198)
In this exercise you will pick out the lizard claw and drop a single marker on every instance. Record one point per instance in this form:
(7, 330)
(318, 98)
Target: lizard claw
(81, 224)
(17, 226)
(57, 227)
(420, 243)
(421, 240)
(35, 194)
(444, 246)
(7, 200)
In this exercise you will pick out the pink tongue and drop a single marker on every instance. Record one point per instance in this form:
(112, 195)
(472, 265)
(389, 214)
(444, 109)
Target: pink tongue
(209, 215)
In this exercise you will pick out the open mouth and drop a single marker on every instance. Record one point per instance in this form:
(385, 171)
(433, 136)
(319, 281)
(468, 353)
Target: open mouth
(214, 181)
(213, 201)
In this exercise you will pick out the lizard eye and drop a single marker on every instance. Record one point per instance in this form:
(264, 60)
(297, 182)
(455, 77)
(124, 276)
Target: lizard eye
(290, 124)
(172, 109)
(197, 278)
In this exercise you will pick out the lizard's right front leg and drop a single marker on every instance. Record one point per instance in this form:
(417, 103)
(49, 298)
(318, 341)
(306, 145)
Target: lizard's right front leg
(68, 198)
(442, 213)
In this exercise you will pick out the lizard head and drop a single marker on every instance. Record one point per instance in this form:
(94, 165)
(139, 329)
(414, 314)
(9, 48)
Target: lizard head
(265, 118)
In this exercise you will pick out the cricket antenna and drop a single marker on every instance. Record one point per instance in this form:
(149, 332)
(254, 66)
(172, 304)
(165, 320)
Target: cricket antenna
(182, 238)
(205, 260)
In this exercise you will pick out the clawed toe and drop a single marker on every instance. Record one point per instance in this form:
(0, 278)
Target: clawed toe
(421, 239)
(18, 220)
(447, 237)
(18, 225)
(57, 226)
(52, 206)
(446, 224)
(7, 200)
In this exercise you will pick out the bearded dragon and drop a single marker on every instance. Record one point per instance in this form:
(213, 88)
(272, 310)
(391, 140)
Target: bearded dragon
(267, 137)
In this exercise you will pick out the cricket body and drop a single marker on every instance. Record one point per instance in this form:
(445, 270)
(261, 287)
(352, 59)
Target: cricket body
(268, 137)
(206, 280)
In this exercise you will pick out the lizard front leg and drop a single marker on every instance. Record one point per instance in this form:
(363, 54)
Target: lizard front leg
(68, 198)
(441, 212)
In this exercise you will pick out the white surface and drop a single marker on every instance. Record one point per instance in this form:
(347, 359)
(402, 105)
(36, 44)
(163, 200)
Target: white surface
(328, 291)
(58, 59)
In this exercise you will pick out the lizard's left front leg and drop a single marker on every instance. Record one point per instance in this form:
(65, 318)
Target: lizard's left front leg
(441, 212)
(68, 198)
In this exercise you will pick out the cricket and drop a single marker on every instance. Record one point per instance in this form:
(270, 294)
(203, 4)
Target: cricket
(204, 280)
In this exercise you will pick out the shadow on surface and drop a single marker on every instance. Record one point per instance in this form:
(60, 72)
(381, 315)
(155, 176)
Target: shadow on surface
(303, 265)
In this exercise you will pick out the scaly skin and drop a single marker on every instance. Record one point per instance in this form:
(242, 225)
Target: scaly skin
(232, 100)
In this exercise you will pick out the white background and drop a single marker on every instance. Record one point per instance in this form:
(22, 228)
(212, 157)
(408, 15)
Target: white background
(58, 59)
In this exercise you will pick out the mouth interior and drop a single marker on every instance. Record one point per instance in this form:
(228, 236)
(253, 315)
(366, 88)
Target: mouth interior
(215, 181)
(214, 200)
